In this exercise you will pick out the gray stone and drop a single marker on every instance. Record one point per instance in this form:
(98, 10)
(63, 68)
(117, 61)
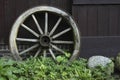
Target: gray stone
(98, 61)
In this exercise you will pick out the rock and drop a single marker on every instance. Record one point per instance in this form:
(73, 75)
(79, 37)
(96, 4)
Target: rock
(95, 61)
(105, 62)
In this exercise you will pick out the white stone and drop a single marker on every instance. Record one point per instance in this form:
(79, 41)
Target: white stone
(98, 61)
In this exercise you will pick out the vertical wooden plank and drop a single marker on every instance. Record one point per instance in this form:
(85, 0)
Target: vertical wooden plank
(81, 18)
(10, 16)
(33, 3)
(75, 16)
(2, 19)
(103, 20)
(21, 6)
(113, 20)
(119, 20)
(104, 45)
(92, 20)
(96, 2)
(62, 4)
(75, 13)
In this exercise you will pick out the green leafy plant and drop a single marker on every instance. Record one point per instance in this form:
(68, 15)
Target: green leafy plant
(7, 70)
(47, 69)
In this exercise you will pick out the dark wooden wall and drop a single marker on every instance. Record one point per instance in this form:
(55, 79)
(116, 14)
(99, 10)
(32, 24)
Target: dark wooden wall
(94, 17)
(99, 23)
(97, 17)
(11, 9)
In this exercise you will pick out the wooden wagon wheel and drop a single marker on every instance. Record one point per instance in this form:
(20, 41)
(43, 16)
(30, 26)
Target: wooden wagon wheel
(48, 31)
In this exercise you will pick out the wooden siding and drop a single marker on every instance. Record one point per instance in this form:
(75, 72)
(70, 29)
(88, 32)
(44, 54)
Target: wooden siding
(96, 1)
(94, 18)
(97, 20)
(99, 23)
(10, 10)
(2, 18)
(106, 46)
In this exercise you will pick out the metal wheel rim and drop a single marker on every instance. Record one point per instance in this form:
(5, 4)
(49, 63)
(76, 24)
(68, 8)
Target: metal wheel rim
(30, 12)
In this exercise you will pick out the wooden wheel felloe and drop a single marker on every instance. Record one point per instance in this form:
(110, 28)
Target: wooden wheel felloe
(46, 31)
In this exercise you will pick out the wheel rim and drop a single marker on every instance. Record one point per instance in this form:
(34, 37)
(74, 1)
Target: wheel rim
(47, 40)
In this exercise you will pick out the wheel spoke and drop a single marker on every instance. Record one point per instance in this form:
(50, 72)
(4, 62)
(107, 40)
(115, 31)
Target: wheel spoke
(29, 49)
(61, 33)
(44, 53)
(37, 53)
(62, 42)
(30, 30)
(27, 40)
(52, 54)
(37, 24)
(58, 49)
(46, 23)
(55, 27)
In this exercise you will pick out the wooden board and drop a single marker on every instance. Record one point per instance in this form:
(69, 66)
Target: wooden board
(2, 19)
(105, 46)
(80, 15)
(10, 10)
(92, 21)
(103, 20)
(96, 1)
(97, 20)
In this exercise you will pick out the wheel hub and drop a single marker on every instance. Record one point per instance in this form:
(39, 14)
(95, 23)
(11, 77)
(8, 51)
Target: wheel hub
(45, 41)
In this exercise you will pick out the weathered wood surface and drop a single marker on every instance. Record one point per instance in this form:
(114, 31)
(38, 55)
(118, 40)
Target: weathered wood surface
(90, 46)
(96, 1)
(106, 46)
(94, 18)
(97, 20)
(11, 9)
